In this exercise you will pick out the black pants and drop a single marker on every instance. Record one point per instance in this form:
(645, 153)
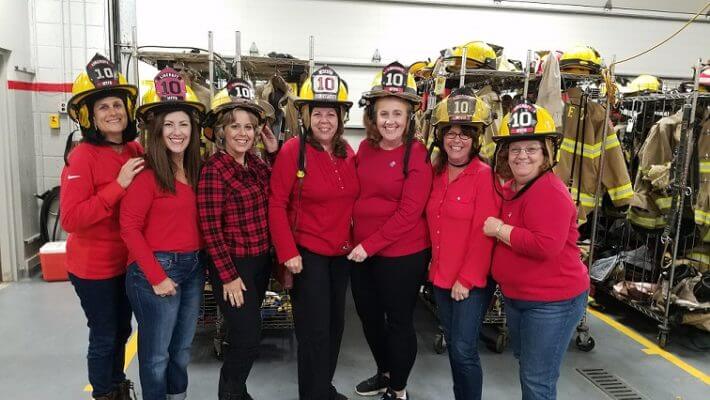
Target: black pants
(108, 315)
(319, 313)
(385, 292)
(243, 323)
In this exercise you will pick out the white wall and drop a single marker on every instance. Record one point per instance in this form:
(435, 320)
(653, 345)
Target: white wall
(352, 30)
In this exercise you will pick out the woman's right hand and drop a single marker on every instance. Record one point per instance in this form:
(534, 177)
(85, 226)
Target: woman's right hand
(295, 264)
(459, 291)
(129, 171)
(165, 288)
(234, 292)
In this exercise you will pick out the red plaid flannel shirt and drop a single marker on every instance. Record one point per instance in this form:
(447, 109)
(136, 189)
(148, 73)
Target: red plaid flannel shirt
(232, 202)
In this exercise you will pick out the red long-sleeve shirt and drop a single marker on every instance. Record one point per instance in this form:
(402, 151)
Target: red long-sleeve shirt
(153, 220)
(323, 214)
(89, 210)
(388, 217)
(233, 203)
(543, 261)
(455, 214)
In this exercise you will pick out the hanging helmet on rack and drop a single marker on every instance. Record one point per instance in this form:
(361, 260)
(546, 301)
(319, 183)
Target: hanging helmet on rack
(643, 84)
(238, 94)
(100, 79)
(169, 93)
(420, 70)
(324, 88)
(479, 55)
(581, 60)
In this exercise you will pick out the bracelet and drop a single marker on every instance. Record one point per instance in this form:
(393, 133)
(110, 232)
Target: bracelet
(499, 228)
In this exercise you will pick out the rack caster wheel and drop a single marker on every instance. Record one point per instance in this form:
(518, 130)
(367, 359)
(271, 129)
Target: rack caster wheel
(662, 339)
(439, 344)
(586, 344)
(501, 343)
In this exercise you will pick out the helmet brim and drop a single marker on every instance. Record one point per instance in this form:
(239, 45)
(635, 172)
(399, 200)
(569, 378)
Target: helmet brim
(531, 136)
(378, 94)
(301, 102)
(143, 110)
(78, 99)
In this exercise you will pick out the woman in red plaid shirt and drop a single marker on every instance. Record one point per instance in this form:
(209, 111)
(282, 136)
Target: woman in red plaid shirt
(232, 200)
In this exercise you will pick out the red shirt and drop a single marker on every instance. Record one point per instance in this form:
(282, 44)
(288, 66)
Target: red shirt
(153, 220)
(455, 213)
(89, 210)
(543, 261)
(233, 203)
(389, 213)
(323, 215)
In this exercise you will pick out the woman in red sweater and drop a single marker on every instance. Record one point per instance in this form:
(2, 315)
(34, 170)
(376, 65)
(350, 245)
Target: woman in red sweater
(537, 264)
(232, 198)
(460, 201)
(93, 181)
(392, 244)
(159, 225)
(313, 189)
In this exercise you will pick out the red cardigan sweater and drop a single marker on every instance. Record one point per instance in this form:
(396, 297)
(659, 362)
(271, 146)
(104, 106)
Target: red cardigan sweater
(389, 213)
(455, 213)
(153, 220)
(89, 210)
(323, 214)
(543, 261)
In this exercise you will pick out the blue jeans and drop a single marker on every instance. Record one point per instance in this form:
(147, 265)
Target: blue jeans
(461, 321)
(540, 332)
(108, 315)
(166, 325)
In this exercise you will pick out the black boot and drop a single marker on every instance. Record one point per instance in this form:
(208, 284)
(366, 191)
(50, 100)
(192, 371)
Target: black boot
(124, 391)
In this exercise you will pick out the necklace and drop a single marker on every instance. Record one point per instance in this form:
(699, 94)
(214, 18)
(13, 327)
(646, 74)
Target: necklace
(460, 165)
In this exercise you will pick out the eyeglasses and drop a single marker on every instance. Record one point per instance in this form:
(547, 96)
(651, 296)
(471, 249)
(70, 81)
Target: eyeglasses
(531, 151)
(462, 136)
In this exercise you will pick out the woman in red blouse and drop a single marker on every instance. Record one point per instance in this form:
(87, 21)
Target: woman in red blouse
(392, 248)
(537, 262)
(232, 201)
(96, 175)
(166, 273)
(313, 189)
(460, 201)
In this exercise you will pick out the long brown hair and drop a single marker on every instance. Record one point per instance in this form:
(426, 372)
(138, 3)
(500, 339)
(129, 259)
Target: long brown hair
(369, 120)
(340, 146)
(157, 155)
(442, 159)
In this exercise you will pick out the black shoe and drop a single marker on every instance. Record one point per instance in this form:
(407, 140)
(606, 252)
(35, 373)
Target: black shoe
(124, 391)
(335, 395)
(373, 386)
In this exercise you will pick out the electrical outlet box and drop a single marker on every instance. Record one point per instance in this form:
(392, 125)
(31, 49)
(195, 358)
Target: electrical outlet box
(54, 121)
(63, 107)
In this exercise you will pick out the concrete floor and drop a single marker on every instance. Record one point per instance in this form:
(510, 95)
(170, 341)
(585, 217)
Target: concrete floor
(43, 336)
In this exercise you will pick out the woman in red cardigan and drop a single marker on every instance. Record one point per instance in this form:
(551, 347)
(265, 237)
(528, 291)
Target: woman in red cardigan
(392, 244)
(96, 175)
(232, 200)
(460, 201)
(537, 262)
(166, 273)
(313, 189)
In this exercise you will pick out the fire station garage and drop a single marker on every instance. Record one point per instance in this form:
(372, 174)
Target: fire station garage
(332, 200)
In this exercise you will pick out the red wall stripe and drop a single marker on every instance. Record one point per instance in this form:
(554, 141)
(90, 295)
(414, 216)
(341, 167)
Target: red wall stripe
(40, 86)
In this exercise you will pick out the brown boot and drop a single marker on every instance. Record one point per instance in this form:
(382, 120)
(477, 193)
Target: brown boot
(124, 391)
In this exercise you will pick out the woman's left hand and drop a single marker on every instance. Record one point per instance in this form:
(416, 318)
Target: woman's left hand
(358, 254)
(491, 226)
(271, 143)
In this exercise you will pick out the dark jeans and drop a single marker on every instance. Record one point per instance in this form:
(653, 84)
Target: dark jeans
(319, 314)
(243, 324)
(461, 321)
(108, 315)
(540, 333)
(385, 292)
(166, 325)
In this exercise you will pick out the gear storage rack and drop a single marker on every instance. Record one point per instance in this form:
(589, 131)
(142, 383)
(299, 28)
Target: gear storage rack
(650, 257)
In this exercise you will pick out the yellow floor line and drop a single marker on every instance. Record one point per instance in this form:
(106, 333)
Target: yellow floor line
(651, 348)
(131, 349)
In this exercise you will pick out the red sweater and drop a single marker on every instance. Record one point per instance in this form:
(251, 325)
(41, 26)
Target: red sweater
(543, 261)
(153, 220)
(89, 203)
(456, 212)
(329, 190)
(389, 213)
